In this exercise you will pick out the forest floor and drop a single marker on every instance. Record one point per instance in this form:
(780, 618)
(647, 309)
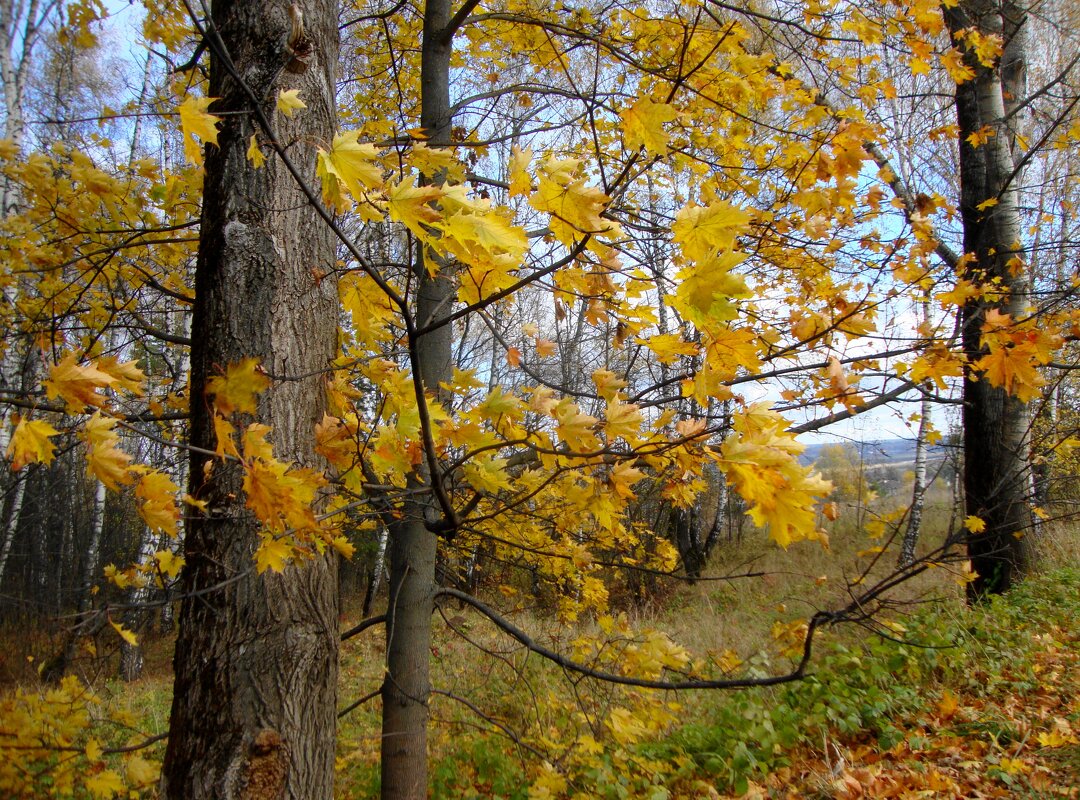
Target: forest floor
(1001, 719)
(952, 702)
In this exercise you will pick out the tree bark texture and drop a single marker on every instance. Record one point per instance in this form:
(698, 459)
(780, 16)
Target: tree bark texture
(996, 424)
(256, 659)
(407, 686)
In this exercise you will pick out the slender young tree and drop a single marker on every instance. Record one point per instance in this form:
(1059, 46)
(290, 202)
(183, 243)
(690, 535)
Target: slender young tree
(413, 542)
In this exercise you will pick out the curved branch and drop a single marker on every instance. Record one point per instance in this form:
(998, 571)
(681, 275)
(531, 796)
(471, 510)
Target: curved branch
(357, 703)
(819, 619)
(360, 627)
(506, 731)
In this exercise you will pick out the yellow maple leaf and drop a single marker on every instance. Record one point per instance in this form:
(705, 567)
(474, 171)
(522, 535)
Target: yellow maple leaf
(411, 204)
(350, 164)
(30, 442)
(119, 579)
(918, 65)
(760, 461)
(335, 440)
(839, 386)
(141, 773)
(959, 295)
(438, 164)
(937, 364)
(201, 505)
(196, 121)
(272, 554)
(980, 137)
(974, 524)
(125, 634)
(224, 433)
(607, 383)
(622, 420)
(706, 231)
(486, 473)
(489, 230)
(1013, 369)
(238, 388)
(953, 61)
(575, 428)
(486, 241)
(643, 126)
(706, 289)
(987, 47)
(518, 171)
(158, 507)
(548, 784)
(867, 30)
(280, 496)
(105, 460)
(389, 457)
(575, 207)
(729, 349)
(105, 785)
(168, 563)
(623, 476)
(343, 546)
(790, 637)
(625, 726)
(126, 374)
(76, 384)
(254, 154)
(255, 442)
(289, 102)
(1013, 766)
(669, 347)
(463, 382)
(1059, 737)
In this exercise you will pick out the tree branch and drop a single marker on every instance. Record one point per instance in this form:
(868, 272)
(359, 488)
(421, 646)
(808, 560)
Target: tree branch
(819, 619)
(456, 21)
(360, 627)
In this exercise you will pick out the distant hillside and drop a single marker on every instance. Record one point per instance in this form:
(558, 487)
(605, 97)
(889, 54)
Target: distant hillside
(886, 451)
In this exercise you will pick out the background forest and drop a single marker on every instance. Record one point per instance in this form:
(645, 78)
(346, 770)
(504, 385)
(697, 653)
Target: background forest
(501, 398)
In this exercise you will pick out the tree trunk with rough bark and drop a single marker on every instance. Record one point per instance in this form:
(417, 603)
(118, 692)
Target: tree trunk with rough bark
(256, 658)
(997, 473)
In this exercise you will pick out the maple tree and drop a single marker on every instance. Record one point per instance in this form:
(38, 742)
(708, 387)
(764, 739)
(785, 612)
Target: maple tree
(581, 280)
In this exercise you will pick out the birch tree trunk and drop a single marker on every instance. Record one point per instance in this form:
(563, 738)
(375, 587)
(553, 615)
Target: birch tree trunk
(20, 24)
(256, 657)
(997, 473)
(918, 490)
(377, 568)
